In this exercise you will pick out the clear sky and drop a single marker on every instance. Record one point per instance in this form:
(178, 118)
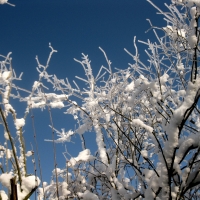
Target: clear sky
(73, 27)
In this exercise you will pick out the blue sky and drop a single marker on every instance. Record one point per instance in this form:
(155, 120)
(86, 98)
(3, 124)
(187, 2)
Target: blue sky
(73, 27)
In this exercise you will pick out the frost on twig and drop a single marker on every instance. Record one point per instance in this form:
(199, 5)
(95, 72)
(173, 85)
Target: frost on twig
(6, 2)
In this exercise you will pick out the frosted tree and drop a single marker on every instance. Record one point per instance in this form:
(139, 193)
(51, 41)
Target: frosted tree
(12, 152)
(146, 119)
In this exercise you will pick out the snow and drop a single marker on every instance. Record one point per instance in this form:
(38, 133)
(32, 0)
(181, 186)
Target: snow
(149, 194)
(181, 93)
(8, 107)
(164, 78)
(196, 2)
(144, 153)
(100, 143)
(38, 104)
(115, 195)
(130, 87)
(121, 190)
(6, 135)
(178, 114)
(28, 184)
(180, 66)
(140, 123)
(19, 123)
(93, 103)
(3, 1)
(192, 40)
(63, 136)
(82, 129)
(194, 177)
(6, 74)
(5, 179)
(29, 153)
(173, 32)
(148, 174)
(65, 191)
(56, 101)
(83, 156)
(8, 153)
(190, 142)
(35, 85)
(58, 104)
(3, 195)
(193, 12)
(87, 195)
